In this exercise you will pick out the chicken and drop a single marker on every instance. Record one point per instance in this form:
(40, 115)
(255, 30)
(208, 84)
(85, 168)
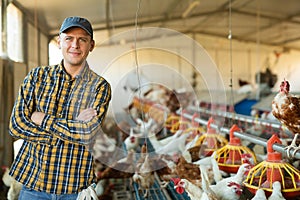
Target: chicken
(214, 173)
(189, 171)
(165, 168)
(14, 186)
(176, 146)
(231, 184)
(208, 193)
(259, 195)
(132, 141)
(103, 146)
(231, 191)
(286, 108)
(196, 190)
(88, 193)
(193, 191)
(276, 193)
(144, 176)
(123, 168)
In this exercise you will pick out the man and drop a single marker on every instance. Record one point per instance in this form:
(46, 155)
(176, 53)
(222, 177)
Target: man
(58, 112)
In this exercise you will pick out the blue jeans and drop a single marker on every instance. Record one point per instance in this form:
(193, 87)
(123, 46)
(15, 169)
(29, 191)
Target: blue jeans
(30, 194)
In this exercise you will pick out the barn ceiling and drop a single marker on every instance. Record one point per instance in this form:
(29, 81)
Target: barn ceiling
(270, 22)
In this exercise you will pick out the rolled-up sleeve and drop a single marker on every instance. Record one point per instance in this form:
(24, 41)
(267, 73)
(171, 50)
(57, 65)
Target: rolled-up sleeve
(20, 124)
(78, 131)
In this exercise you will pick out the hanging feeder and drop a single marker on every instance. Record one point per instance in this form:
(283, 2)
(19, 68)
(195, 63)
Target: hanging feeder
(171, 120)
(229, 157)
(274, 169)
(194, 128)
(211, 140)
(181, 124)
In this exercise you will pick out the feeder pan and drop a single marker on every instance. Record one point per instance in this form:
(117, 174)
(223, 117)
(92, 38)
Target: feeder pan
(195, 129)
(171, 120)
(181, 124)
(264, 174)
(210, 141)
(229, 157)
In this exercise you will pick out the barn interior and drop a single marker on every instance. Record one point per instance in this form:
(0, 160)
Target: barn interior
(198, 75)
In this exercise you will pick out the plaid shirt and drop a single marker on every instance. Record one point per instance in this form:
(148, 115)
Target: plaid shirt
(55, 157)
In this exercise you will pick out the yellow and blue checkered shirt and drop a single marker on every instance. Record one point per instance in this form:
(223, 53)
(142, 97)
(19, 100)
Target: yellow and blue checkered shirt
(55, 157)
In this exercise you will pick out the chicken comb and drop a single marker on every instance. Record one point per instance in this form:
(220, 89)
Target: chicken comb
(175, 180)
(233, 184)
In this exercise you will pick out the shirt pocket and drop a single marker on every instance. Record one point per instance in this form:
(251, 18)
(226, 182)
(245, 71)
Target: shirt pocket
(46, 96)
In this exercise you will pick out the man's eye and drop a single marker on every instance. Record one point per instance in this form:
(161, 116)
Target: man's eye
(83, 40)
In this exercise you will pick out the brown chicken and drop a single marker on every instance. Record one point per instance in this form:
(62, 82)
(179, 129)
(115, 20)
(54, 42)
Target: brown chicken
(189, 171)
(286, 108)
(123, 168)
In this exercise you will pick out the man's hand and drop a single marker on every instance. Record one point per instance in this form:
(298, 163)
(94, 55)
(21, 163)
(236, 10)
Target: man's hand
(86, 115)
(37, 117)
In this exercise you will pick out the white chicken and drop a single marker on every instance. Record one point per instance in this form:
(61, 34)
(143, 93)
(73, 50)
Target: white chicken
(176, 146)
(14, 186)
(208, 193)
(211, 165)
(132, 141)
(193, 191)
(230, 191)
(231, 184)
(276, 193)
(103, 144)
(259, 195)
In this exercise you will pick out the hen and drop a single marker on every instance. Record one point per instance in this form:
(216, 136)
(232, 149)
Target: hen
(193, 191)
(144, 176)
(259, 195)
(276, 193)
(286, 108)
(123, 168)
(231, 184)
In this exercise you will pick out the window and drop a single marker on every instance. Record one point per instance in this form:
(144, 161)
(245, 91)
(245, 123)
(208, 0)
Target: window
(14, 33)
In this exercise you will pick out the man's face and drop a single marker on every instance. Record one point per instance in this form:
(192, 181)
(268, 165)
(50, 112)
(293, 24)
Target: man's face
(75, 44)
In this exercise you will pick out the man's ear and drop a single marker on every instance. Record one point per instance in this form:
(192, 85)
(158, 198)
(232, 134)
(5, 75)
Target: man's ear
(92, 45)
(58, 41)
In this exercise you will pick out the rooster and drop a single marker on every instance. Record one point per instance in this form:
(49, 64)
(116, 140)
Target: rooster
(286, 108)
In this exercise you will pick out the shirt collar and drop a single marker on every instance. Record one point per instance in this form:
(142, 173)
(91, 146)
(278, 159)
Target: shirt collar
(84, 74)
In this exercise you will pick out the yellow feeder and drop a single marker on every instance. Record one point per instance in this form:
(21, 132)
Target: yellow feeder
(229, 157)
(264, 174)
(210, 141)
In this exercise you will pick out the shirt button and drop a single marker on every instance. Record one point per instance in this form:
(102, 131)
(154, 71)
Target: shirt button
(45, 162)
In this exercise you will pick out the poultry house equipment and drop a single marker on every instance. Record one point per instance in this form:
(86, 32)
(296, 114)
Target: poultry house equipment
(156, 191)
(172, 119)
(195, 127)
(229, 157)
(181, 124)
(211, 140)
(264, 174)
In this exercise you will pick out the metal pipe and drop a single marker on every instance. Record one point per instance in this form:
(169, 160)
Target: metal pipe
(245, 136)
(238, 117)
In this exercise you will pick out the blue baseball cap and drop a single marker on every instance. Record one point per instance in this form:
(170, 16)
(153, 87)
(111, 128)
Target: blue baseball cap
(75, 21)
